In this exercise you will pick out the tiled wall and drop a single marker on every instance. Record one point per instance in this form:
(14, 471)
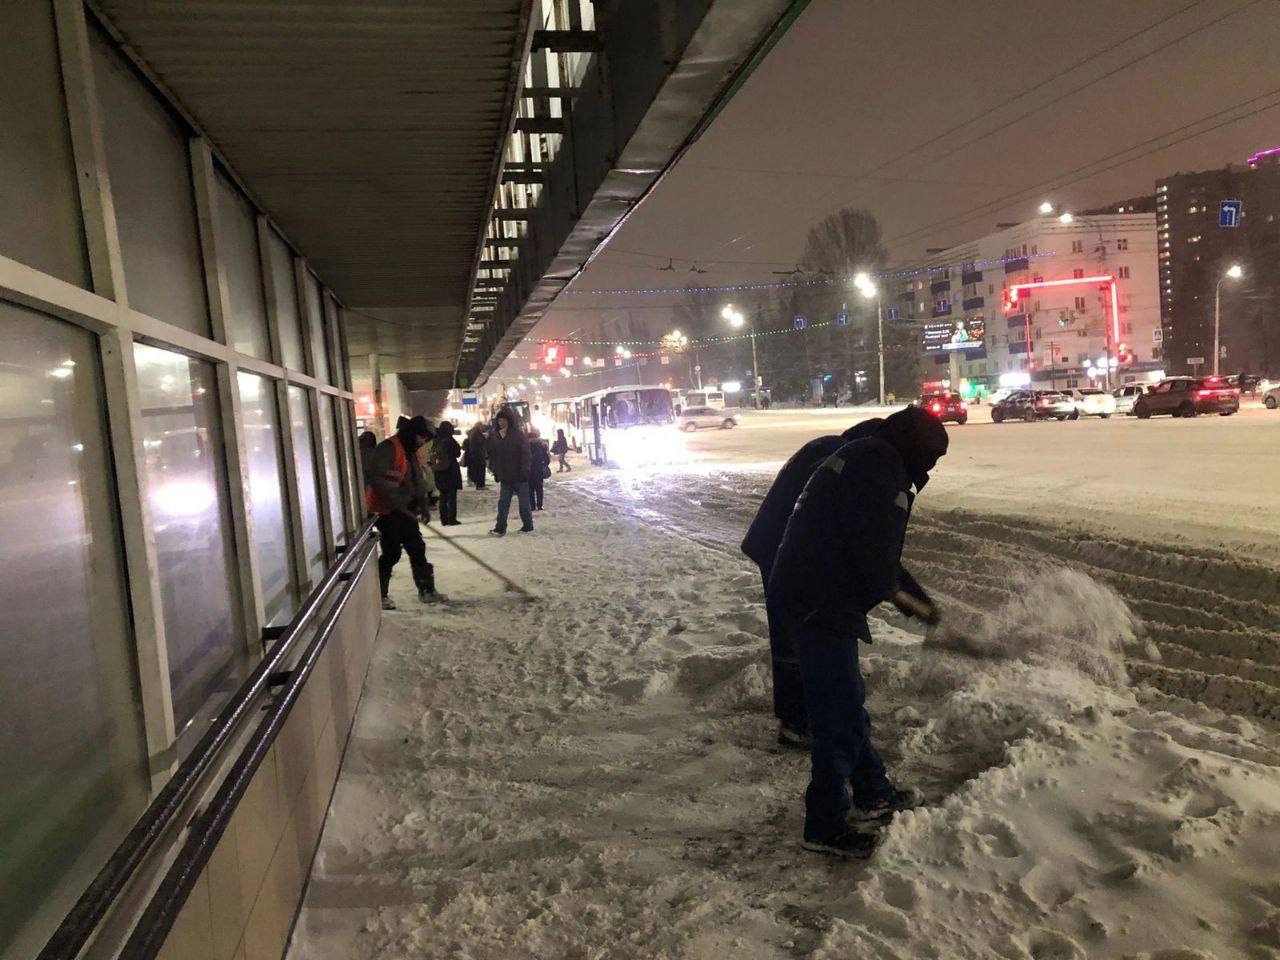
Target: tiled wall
(243, 905)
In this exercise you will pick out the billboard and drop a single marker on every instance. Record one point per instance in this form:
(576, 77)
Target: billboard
(962, 333)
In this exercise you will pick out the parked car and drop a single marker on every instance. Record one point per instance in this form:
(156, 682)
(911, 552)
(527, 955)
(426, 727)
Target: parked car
(1126, 396)
(691, 418)
(1188, 396)
(947, 407)
(1091, 402)
(1033, 405)
(1271, 398)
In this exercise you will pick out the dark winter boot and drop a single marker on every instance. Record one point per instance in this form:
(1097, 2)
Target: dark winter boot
(883, 809)
(427, 586)
(849, 845)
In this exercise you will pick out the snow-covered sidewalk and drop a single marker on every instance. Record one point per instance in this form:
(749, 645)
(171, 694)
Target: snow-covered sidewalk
(592, 774)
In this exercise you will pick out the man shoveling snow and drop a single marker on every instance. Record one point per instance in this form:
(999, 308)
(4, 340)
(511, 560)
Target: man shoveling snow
(840, 557)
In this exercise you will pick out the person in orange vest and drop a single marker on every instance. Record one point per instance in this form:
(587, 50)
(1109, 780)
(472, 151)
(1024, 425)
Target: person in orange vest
(397, 493)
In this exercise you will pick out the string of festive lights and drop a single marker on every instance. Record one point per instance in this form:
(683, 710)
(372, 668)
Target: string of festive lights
(815, 282)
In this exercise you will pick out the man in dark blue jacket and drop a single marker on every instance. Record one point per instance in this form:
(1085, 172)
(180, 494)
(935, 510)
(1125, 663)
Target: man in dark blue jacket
(761, 545)
(840, 557)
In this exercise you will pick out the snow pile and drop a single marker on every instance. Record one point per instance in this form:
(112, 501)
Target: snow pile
(1061, 616)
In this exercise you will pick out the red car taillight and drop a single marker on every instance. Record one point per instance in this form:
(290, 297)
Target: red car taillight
(936, 408)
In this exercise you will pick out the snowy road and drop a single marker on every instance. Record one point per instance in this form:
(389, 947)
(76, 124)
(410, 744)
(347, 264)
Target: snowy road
(592, 775)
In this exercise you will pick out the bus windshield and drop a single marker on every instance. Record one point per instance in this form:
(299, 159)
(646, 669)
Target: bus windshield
(628, 408)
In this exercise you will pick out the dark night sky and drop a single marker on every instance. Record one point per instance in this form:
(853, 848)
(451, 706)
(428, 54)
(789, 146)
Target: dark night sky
(943, 117)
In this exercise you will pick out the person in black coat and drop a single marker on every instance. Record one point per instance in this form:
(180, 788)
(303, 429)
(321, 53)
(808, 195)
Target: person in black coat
(761, 545)
(510, 457)
(561, 449)
(841, 556)
(475, 455)
(444, 461)
(539, 466)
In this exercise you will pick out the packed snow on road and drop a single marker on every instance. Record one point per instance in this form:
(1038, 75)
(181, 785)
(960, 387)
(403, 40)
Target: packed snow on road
(592, 773)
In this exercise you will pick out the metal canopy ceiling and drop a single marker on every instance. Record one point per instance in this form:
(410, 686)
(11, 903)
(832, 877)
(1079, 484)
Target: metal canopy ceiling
(372, 133)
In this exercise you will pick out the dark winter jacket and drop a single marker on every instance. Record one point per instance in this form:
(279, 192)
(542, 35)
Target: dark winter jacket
(841, 554)
(561, 446)
(444, 459)
(765, 533)
(539, 459)
(509, 456)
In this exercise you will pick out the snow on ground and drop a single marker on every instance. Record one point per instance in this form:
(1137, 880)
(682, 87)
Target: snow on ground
(592, 774)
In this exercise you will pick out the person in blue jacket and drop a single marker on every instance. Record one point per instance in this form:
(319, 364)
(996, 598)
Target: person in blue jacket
(761, 546)
(840, 557)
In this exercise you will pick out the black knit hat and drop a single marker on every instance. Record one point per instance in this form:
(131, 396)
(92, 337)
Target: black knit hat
(920, 439)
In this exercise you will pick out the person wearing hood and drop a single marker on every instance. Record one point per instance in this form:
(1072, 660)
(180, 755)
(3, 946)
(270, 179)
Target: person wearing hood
(396, 491)
(510, 458)
(839, 558)
(761, 546)
(443, 460)
(539, 467)
(475, 455)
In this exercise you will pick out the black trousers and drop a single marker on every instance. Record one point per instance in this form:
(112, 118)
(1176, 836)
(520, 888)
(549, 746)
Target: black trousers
(788, 687)
(535, 491)
(448, 506)
(400, 534)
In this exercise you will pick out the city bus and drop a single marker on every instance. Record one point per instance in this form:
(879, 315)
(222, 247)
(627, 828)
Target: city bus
(625, 424)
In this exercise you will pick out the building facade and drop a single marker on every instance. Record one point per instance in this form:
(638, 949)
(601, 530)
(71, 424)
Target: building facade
(1196, 250)
(1051, 336)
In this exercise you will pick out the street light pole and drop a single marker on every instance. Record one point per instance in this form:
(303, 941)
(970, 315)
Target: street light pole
(1234, 272)
(755, 369)
(880, 345)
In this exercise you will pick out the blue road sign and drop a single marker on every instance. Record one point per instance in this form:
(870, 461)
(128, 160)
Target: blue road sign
(842, 319)
(892, 314)
(800, 323)
(1229, 213)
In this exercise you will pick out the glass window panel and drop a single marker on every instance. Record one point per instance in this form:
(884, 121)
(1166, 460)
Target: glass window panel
(331, 340)
(238, 250)
(72, 748)
(155, 209)
(39, 202)
(346, 443)
(308, 489)
(333, 482)
(315, 324)
(186, 490)
(285, 292)
(271, 536)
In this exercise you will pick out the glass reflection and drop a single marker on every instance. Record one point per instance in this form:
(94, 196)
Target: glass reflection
(308, 489)
(185, 477)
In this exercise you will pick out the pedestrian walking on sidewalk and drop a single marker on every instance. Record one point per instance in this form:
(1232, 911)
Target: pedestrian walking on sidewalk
(510, 458)
(561, 449)
(443, 460)
(761, 543)
(539, 467)
(475, 455)
(397, 493)
(840, 557)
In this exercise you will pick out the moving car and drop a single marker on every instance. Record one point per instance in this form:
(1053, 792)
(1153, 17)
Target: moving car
(1271, 398)
(705, 398)
(691, 418)
(1033, 405)
(1091, 402)
(1188, 396)
(1126, 396)
(947, 407)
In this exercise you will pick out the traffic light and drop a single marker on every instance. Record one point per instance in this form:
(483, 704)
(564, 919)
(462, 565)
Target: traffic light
(1124, 356)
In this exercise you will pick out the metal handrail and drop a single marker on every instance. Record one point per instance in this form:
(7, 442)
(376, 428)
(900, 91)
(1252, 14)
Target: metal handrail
(82, 920)
(147, 938)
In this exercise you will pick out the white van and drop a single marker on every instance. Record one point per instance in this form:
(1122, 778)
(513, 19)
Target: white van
(704, 398)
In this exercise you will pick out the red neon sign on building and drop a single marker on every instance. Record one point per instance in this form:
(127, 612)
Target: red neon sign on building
(1104, 279)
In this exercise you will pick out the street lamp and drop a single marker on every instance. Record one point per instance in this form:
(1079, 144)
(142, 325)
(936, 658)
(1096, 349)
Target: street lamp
(736, 320)
(870, 291)
(1046, 208)
(1234, 272)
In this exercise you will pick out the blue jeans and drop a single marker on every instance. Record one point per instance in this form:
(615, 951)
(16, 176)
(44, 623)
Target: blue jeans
(521, 492)
(843, 755)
